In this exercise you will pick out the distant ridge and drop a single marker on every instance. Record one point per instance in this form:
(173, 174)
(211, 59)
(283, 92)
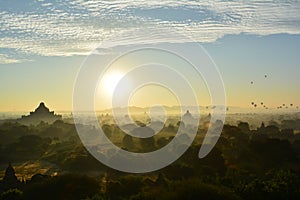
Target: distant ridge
(203, 109)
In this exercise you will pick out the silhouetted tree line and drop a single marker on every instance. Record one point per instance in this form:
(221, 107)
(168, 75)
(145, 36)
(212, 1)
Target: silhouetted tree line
(245, 164)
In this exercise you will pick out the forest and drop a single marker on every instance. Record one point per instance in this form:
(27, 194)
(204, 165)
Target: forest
(48, 161)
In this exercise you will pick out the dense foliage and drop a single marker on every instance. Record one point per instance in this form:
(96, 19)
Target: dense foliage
(245, 164)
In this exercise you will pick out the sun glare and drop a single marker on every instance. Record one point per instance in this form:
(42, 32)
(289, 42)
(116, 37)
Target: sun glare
(110, 81)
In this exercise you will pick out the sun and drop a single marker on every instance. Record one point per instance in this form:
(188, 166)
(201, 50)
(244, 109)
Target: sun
(110, 81)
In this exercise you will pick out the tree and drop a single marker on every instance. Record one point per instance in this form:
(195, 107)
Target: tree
(12, 194)
(244, 126)
(148, 144)
(128, 141)
(107, 129)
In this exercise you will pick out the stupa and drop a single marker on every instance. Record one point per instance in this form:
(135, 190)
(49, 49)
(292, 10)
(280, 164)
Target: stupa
(187, 118)
(41, 114)
(10, 180)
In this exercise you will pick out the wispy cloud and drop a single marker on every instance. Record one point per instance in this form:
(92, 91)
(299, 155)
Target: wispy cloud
(75, 27)
(4, 59)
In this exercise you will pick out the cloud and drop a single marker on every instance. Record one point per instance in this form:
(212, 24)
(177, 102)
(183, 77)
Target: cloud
(75, 27)
(5, 59)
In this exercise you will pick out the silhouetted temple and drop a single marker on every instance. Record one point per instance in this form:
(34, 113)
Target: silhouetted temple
(10, 180)
(187, 118)
(42, 113)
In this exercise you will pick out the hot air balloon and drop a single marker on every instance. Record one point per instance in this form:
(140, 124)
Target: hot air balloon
(262, 103)
(255, 105)
(291, 104)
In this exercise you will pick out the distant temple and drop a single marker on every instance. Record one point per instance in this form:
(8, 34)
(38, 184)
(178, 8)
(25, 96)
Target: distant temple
(187, 118)
(41, 114)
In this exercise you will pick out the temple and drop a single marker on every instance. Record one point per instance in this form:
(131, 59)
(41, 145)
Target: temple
(187, 118)
(41, 114)
(10, 180)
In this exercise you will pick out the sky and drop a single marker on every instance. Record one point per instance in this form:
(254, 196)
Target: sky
(44, 43)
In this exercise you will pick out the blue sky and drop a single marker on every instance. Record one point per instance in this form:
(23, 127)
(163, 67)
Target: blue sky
(43, 43)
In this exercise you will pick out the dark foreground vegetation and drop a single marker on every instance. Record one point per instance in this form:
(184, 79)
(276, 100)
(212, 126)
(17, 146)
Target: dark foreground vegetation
(245, 164)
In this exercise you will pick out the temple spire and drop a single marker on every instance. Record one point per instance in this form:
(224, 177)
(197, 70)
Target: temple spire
(10, 180)
(40, 114)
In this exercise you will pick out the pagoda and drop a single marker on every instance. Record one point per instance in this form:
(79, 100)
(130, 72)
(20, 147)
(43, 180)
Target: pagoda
(10, 180)
(41, 114)
(187, 118)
